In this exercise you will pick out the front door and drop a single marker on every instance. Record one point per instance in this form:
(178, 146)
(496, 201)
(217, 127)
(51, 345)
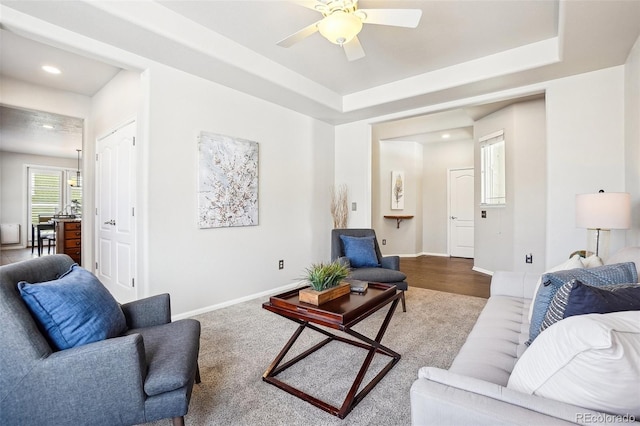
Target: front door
(115, 222)
(461, 223)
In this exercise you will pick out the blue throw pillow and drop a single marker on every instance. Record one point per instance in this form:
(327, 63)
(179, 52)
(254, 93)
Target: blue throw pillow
(361, 251)
(75, 309)
(576, 298)
(618, 273)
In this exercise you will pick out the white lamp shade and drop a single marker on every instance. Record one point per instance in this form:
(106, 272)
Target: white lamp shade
(604, 210)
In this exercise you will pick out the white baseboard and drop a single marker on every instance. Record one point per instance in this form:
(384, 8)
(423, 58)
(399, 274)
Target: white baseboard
(282, 289)
(424, 253)
(236, 301)
(482, 271)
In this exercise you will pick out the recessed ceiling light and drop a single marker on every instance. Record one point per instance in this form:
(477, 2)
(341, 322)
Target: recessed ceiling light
(446, 136)
(50, 69)
(47, 126)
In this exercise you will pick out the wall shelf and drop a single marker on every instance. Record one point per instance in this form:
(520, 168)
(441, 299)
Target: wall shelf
(398, 218)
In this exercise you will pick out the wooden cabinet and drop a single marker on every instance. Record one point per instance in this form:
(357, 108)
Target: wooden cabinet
(68, 239)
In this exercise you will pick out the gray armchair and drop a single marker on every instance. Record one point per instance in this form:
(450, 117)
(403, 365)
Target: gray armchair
(144, 375)
(387, 272)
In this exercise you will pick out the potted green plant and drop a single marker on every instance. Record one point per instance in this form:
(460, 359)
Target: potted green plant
(326, 281)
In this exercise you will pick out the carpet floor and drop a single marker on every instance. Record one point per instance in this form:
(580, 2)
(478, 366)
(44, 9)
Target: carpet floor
(239, 342)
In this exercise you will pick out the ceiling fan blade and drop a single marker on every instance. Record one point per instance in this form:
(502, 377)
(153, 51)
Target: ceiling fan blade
(409, 18)
(309, 4)
(299, 36)
(353, 49)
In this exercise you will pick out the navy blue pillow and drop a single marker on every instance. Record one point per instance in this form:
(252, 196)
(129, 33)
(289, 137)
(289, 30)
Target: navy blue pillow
(618, 273)
(75, 309)
(361, 251)
(576, 298)
(585, 299)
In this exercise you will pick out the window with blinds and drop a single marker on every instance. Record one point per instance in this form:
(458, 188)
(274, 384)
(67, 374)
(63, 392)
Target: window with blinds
(492, 169)
(45, 193)
(49, 192)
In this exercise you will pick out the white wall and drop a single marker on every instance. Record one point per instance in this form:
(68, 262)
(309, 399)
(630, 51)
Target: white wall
(426, 168)
(585, 152)
(508, 233)
(494, 234)
(25, 95)
(632, 139)
(204, 267)
(438, 159)
(353, 165)
(119, 101)
(530, 180)
(403, 156)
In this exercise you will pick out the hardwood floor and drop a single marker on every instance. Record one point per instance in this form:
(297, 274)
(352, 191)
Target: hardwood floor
(450, 274)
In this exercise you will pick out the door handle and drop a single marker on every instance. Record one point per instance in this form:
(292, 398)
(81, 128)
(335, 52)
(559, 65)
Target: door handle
(454, 217)
(111, 222)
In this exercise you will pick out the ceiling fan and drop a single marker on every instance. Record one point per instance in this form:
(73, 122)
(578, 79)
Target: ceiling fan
(342, 21)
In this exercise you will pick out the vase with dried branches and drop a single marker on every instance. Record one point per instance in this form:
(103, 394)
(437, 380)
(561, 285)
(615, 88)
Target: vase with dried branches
(339, 209)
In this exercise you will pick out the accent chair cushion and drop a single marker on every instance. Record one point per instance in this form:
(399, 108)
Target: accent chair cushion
(74, 309)
(590, 361)
(378, 275)
(576, 298)
(360, 251)
(619, 273)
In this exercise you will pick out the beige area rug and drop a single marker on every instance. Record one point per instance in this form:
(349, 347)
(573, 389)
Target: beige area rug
(239, 342)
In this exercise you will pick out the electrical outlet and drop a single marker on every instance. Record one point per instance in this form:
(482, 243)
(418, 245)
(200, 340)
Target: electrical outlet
(528, 258)
(384, 242)
(280, 264)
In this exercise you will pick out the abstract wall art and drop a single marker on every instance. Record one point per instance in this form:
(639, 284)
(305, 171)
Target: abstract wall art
(227, 181)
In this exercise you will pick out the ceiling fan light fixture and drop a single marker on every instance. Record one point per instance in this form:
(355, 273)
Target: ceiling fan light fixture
(340, 27)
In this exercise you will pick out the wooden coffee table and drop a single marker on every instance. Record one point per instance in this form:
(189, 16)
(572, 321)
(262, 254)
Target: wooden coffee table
(339, 314)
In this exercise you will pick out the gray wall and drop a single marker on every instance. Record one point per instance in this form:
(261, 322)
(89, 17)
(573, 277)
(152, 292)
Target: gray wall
(509, 232)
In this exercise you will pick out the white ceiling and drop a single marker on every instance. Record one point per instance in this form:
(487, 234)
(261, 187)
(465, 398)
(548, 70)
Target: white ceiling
(23, 131)
(450, 32)
(22, 59)
(461, 49)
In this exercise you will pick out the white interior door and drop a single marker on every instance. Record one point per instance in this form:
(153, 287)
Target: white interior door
(461, 221)
(115, 222)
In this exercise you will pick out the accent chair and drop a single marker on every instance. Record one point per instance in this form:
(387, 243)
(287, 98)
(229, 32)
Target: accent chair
(359, 250)
(145, 373)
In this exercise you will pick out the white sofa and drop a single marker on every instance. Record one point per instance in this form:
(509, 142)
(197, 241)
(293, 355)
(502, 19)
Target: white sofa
(474, 389)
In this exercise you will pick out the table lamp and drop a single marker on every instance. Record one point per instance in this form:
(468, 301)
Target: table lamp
(602, 212)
